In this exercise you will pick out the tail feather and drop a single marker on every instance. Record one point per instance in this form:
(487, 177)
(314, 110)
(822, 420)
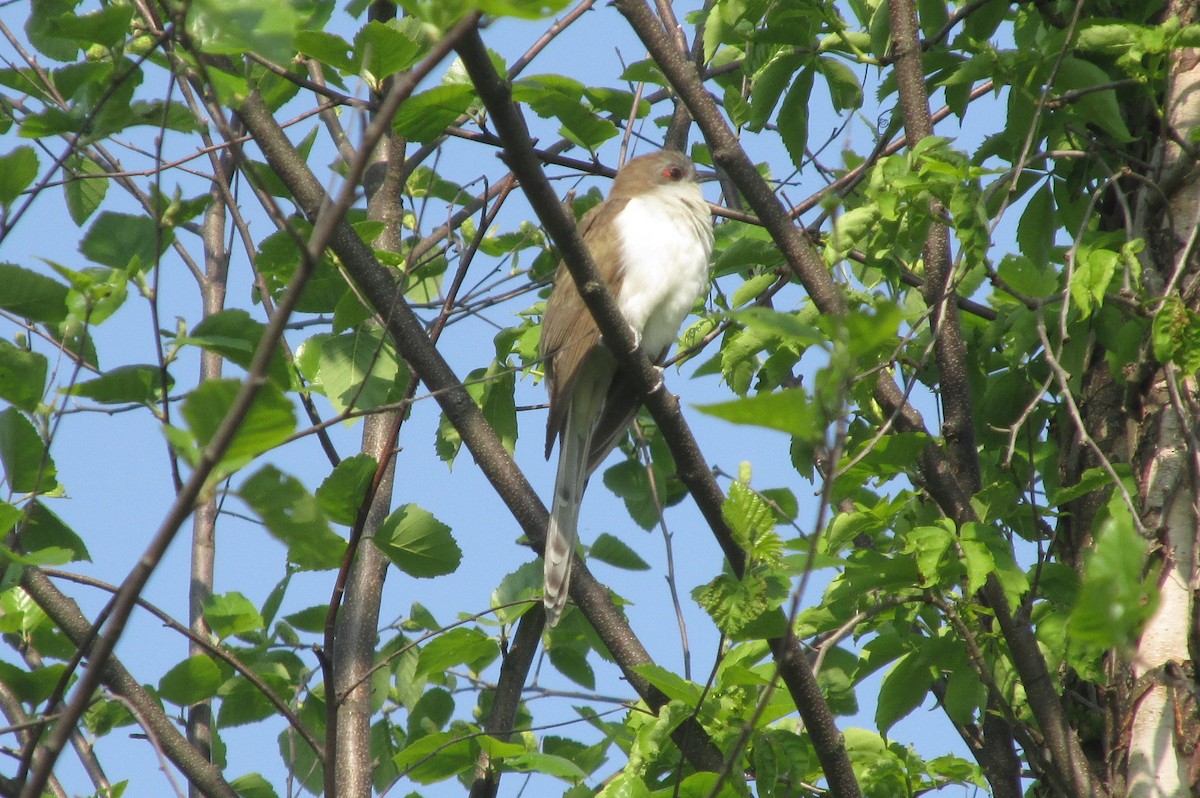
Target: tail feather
(573, 472)
(561, 532)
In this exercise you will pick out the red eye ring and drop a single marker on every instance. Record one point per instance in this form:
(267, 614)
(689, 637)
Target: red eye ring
(673, 173)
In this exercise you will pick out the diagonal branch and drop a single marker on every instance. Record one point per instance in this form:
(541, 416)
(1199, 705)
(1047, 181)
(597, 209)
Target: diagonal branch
(412, 342)
(693, 470)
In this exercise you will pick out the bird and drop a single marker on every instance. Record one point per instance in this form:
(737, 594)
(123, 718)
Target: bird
(651, 240)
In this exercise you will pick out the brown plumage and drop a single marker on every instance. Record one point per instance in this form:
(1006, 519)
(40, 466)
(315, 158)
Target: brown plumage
(650, 240)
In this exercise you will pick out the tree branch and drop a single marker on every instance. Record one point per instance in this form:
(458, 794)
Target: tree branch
(413, 344)
(66, 615)
(693, 470)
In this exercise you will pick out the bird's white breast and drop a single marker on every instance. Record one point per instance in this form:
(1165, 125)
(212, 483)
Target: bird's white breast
(666, 243)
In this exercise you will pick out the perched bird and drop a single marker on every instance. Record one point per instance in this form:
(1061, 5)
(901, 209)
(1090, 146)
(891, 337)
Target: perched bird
(651, 241)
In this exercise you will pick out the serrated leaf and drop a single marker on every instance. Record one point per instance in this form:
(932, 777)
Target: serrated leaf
(792, 122)
(1098, 106)
(344, 490)
(358, 370)
(123, 241)
(31, 295)
(382, 49)
(235, 336)
(903, 689)
(194, 680)
(417, 543)
(520, 589)
(328, 48)
(844, 89)
(45, 530)
(133, 384)
(537, 762)
(613, 551)
(437, 757)
(270, 421)
(230, 614)
(572, 663)
(1115, 598)
(28, 467)
(752, 522)
(424, 117)
(789, 411)
(18, 169)
(252, 785)
(461, 646)
(22, 375)
(231, 27)
(292, 515)
(735, 603)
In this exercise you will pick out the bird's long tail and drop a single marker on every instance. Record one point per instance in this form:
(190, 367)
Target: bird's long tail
(569, 485)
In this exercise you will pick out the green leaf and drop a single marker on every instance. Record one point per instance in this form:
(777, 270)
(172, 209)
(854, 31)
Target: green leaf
(423, 117)
(384, 48)
(1175, 334)
(571, 661)
(252, 785)
(18, 169)
(232, 27)
(537, 762)
(461, 646)
(107, 27)
(235, 336)
(559, 97)
(345, 489)
(786, 326)
(903, 689)
(525, 9)
(32, 686)
(1115, 597)
(270, 421)
(793, 117)
(1032, 279)
(1038, 225)
(752, 522)
(430, 714)
(521, 589)
(844, 89)
(1094, 270)
(42, 29)
(418, 544)
(672, 685)
(789, 411)
(44, 530)
(134, 384)
(359, 370)
(613, 551)
(292, 515)
(31, 295)
(28, 466)
(437, 757)
(122, 241)
(1099, 108)
(194, 680)
(328, 48)
(928, 546)
(231, 614)
(629, 480)
(735, 603)
(22, 375)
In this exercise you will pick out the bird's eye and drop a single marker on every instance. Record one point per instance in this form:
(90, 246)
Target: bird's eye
(673, 173)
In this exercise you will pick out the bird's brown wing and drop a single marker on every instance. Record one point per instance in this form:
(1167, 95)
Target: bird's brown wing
(569, 333)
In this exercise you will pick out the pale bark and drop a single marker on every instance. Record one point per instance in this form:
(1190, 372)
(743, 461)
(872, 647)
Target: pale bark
(1159, 748)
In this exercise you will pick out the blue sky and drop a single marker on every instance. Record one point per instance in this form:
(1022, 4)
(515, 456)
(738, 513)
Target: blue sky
(114, 467)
